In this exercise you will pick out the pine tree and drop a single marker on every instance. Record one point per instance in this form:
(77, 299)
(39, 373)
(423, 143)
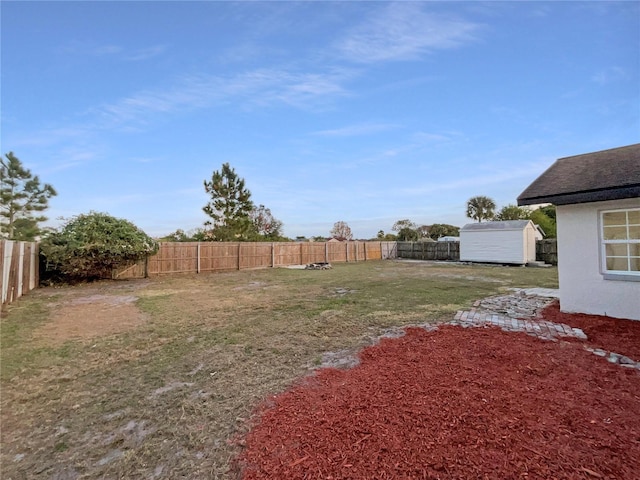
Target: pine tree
(230, 206)
(22, 198)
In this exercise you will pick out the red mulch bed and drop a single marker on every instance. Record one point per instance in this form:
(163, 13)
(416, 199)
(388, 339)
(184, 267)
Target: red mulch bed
(454, 404)
(612, 334)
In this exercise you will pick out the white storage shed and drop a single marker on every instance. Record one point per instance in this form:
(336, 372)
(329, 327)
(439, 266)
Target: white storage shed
(511, 241)
(449, 239)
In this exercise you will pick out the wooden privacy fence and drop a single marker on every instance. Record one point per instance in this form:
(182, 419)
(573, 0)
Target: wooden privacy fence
(199, 257)
(547, 251)
(429, 250)
(19, 268)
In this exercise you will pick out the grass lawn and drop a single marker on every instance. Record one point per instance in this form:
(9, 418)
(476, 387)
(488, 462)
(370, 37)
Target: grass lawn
(158, 378)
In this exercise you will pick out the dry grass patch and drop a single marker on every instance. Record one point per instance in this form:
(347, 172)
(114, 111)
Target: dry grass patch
(165, 396)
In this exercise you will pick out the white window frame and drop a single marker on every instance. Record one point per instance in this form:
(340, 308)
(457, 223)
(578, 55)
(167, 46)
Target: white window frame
(618, 274)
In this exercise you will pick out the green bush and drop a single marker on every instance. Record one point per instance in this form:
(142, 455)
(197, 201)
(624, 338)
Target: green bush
(90, 246)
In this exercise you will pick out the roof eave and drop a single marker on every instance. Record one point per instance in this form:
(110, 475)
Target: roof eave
(618, 193)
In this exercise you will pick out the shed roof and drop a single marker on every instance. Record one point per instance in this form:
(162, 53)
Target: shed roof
(503, 225)
(591, 177)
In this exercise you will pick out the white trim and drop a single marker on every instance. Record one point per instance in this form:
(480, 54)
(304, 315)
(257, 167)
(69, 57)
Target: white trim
(624, 275)
(621, 277)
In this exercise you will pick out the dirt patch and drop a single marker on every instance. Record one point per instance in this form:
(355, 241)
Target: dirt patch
(91, 316)
(454, 403)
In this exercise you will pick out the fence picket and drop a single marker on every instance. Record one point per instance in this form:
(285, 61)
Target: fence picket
(19, 271)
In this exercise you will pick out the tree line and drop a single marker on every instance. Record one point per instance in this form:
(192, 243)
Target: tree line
(484, 208)
(92, 244)
(479, 208)
(408, 231)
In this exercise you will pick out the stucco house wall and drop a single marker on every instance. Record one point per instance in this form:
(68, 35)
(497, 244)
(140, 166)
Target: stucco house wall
(583, 187)
(583, 287)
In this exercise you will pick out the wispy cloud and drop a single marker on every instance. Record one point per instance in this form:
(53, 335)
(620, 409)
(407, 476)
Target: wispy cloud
(610, 75)
(105, 50)
(145, 160)
(71, 157)
(93, 50)
(356, 130)
(474, 180)
(69, 146)
(249, 52)
(111, 50)
(145, 53)
(302, 90)
(405, 31)
(255, 88)
(431, 138)
(134, 113)
(540, 10)
(49, 136)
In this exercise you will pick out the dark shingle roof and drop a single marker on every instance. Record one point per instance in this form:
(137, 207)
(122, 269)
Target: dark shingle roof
(591, 177)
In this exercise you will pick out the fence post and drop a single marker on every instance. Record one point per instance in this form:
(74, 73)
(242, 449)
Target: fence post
(239, 248)
(20, 277)
(36, 268)
(273, 255)
(198, 257)
(326, 252)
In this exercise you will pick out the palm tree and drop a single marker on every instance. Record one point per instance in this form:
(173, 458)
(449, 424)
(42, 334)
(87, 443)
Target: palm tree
(481, 208)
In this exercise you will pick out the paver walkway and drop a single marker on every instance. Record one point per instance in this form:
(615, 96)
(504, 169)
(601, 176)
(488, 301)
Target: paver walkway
(518, 312)
(513, 312)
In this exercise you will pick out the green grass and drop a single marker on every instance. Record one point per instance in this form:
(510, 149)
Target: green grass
(172, 393)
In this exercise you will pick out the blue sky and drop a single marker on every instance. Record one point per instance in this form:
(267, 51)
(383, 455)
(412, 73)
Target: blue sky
(364, 112)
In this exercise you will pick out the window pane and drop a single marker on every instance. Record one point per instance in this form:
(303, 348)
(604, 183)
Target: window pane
(616, 250)
(615, 233)
(634, 249)
(615, 218)
(635, 264)
(634, 217)
(634, 232)
(617, 263)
